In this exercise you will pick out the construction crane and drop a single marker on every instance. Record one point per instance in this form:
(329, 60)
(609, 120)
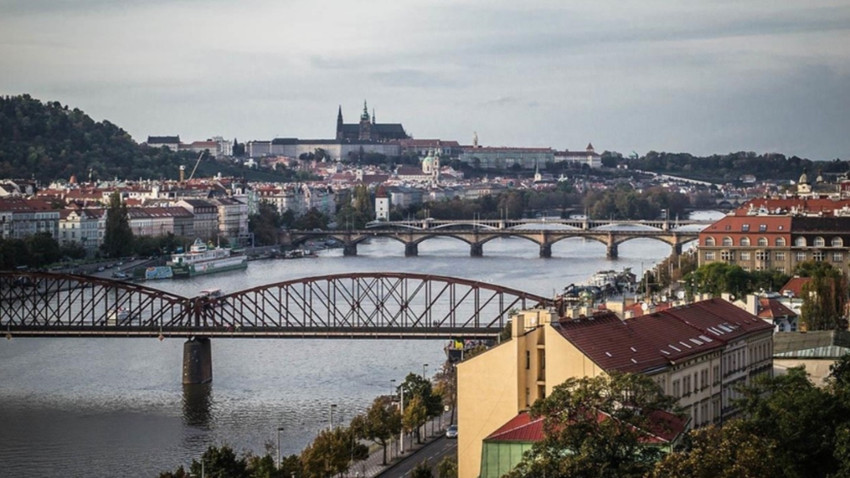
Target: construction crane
(192, 174)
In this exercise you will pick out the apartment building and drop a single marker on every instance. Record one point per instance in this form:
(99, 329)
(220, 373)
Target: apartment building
(697, 353)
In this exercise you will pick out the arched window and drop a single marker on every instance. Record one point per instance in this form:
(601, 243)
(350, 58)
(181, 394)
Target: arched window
(762, 241)
(745, 241)
(780, 241)
(837, 242)
(819, 242)
(709, 241)
(727, 241)
(800, 242)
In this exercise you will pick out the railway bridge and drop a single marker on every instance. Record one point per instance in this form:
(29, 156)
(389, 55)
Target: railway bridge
(350, 306)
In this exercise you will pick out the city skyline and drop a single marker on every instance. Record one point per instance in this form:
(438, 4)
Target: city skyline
(761, 76)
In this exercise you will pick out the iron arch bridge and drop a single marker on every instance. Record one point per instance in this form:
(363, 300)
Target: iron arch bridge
(355, 305)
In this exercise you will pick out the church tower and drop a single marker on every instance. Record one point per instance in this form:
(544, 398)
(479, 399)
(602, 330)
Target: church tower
(365, 124)
(339, 124)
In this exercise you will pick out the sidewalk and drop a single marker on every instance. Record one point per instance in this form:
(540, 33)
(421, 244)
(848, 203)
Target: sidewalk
(372, 467)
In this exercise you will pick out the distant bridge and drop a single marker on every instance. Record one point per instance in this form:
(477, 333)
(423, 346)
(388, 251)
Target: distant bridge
(478, 233)
(356, 305)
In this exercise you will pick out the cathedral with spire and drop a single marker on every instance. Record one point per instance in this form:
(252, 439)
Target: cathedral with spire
(368, 129)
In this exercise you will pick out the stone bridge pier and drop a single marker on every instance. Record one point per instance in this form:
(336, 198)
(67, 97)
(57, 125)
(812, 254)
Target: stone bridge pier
(349, 249)
(197, 361)
(611, 249)
(476, 249)
(411, 249)
(546, 250)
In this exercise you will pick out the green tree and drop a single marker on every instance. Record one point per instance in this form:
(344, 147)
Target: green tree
(43, 249)
(332, 452)
(824, 296)
(447, 468)
(312, 219)
(422, 470)
(379, 423)
(578, 443)
(117, 237)
(718, 277)
(801, 418)
(417, 386)
(728, 452)
(265, 224)
(220, 463)
(415, 415)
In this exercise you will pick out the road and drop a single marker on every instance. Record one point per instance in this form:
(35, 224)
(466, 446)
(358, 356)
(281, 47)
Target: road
(433, 453)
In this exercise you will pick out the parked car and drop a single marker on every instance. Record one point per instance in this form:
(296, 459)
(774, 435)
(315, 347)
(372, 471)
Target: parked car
(451, 432)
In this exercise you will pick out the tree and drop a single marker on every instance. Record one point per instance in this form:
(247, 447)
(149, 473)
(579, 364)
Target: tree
(43, 249)
(265, 224)
(220, 462)
(312, 219)
(118, 237)
(422, 470)
(801, 418)
(824, 296)
(332, 452)
(415, 415)
(727, 452)
(379, 424)
(593, 427)
(447, 468)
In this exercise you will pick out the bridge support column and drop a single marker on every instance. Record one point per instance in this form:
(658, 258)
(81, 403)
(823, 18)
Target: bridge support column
(677, 249)
(546, 250)
(411, 249)
(197, 361)
(611, 252)
(476, 250)
(349, 250)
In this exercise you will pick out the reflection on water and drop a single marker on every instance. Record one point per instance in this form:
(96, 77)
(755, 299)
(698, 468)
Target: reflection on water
(197, 405)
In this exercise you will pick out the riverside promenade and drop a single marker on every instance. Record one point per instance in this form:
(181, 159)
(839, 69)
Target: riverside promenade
(372, 467)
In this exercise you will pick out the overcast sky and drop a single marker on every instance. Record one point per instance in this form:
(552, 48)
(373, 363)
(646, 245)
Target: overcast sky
(680, 76)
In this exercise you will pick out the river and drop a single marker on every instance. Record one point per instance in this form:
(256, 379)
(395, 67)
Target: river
(116, 407)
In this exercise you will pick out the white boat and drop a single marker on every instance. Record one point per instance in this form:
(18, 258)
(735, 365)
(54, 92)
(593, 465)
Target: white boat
(202, 259)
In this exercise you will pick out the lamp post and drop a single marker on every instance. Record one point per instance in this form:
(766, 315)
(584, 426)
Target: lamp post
(279, 429)
(333, 406)
(401, 434)
(392, 388)
(424, 371)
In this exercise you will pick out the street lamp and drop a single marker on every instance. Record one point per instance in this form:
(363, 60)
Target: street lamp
(392, 388)
(279, 429)
(424, 371)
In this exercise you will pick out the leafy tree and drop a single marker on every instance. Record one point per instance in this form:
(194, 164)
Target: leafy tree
(415, 415)
(447, 468)
(332, 452)
(265, 224)
(379, 424)
(800, 417)
(117, 238)
(824, 297)
(220, 462)
(416, 386)
(312, 219)
(728, 452)
(578, 443)
(422, 470)
(718, 277)
(43, 249)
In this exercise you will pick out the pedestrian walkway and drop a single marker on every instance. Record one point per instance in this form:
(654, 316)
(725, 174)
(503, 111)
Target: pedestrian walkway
(372, 466)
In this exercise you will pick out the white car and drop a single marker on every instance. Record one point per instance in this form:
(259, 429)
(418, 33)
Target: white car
(451, 432)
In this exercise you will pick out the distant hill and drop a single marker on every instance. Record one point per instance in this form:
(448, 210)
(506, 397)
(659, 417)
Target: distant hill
(48, 141)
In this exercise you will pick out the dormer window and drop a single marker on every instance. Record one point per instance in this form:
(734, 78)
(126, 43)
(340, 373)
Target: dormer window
(727, 241)
(745, 227)
(800, 242)
(837, 242)
(819, 242)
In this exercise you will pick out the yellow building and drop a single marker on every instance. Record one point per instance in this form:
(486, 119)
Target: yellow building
(696, 352)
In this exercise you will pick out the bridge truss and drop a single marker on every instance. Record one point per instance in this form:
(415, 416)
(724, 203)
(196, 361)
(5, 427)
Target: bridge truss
(389, 305)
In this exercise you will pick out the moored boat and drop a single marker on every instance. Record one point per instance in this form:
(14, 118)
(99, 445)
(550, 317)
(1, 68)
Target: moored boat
(202, 259)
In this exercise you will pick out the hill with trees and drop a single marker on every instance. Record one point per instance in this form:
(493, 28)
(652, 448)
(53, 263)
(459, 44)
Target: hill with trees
(48, 141)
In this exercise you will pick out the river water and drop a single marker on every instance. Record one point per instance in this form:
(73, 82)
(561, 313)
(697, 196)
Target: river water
(116, 407)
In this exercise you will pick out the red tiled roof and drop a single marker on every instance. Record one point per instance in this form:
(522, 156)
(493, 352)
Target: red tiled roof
(810, 205)
(772, 308)
(794, 286)
(520, 428)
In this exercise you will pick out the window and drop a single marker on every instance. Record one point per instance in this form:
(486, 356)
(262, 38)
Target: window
(837, 242)
(819, 242)
(817, 256)
(762, 242)
(762, 227)
(745, 256)
(762, 256)
(727, 241)
(779, 256)
(709, 256)
(527, 359)
(801, 257)
(676, 389)
(727, 255)
(780, 241)
(837, 257)
(745, 241)
(709, 241)
(800, 241)
(745, 227)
